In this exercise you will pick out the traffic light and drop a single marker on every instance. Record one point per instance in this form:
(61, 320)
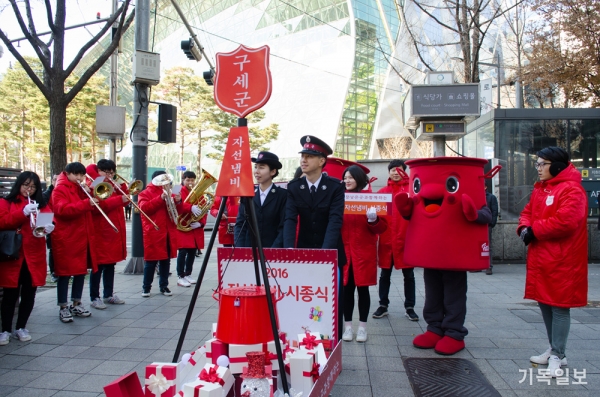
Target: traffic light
(190, 49)
(208, 77)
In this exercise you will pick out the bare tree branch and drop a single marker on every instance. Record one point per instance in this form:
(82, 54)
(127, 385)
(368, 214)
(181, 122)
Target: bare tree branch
(120, 13)
(124, 25)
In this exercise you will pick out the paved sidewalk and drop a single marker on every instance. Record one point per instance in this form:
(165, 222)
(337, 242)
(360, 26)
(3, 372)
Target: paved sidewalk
(79, 358)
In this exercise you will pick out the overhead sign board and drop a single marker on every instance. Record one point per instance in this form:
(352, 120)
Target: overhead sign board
(434, 101)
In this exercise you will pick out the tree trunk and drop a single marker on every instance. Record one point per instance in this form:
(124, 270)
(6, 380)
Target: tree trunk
(58, 144)
(93, 138)
(181, 152)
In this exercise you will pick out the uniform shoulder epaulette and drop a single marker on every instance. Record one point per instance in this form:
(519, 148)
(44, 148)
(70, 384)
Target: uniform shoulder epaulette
(295, 181)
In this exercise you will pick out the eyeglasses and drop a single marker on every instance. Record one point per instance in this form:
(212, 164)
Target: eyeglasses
(540, 165)
(108, 172)
(29, 187)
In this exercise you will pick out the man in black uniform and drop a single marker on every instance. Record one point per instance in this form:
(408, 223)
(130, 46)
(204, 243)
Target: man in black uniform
(269, 205)
(317, 202)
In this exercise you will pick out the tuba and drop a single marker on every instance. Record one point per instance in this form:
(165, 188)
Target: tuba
(165, 181)
(200, 197)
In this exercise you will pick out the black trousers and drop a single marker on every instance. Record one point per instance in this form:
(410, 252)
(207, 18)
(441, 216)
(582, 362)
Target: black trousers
(11, 295)
(445, 302)
(364, 299)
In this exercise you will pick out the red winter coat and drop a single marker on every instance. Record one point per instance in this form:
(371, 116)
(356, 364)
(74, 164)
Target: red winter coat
(112, 247)
(195, 237)
(231, 211)
(33, 249)
(74, 248)
(157, 241)
(391, 242)
(557, 259)
(360, 246)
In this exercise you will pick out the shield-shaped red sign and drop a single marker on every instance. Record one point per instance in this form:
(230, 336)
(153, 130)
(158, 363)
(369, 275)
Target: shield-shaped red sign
(243, 80)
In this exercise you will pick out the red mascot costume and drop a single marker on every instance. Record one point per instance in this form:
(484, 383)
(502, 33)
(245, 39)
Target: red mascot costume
(446, 209)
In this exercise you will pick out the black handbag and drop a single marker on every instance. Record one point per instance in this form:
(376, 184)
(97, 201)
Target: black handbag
(10, 244)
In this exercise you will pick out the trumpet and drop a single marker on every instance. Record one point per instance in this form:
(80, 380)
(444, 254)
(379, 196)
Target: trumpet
(103, 190)
(39, 230)
(135, 185)
(83, 187)
(165, 181)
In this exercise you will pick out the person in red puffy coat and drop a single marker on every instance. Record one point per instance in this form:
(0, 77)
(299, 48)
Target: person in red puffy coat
(159, 245)
(110, 250)
(28, 271)
(359, 234)
(189, 241)
(227, 222)
(74, 245)
(390, 250)
(554, 227)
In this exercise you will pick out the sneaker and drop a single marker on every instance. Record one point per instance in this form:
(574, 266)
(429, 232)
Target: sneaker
(22, 335)
(412, 316)
(146, 293)
(348, 335)
(190, 279)
(166, 292)
(489, 271)
(98, 304)
(542, 359)
(53, 278)
(183, 282)
(114, 300)
(554, 367)
(4, 338)
(361, 335)
(80, 311)
(65, 315)
(380, 312)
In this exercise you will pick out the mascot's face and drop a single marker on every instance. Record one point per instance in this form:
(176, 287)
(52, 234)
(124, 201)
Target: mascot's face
(255, 387)
(436, 191)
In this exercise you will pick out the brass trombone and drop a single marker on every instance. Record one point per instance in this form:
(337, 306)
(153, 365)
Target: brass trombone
(134, 187)
(103, 190)
(82, 185)
(165, 181)
(137, 190)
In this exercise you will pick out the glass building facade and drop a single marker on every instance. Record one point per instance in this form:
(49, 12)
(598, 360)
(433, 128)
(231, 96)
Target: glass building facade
(514, 136)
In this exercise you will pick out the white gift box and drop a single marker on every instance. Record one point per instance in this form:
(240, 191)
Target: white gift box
(301, 366)
(211, 372)
(189, 371)
(199, 388)
(214, 330)
(317, 347)
(238, 360)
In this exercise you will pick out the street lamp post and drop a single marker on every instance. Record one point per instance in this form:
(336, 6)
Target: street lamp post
(497, 66)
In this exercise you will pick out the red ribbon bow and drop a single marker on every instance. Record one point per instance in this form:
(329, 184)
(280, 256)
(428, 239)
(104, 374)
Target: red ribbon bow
(314, 372)
(310, 341)
(211, 376)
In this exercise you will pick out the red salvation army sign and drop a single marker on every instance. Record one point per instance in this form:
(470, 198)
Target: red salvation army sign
(243, 80)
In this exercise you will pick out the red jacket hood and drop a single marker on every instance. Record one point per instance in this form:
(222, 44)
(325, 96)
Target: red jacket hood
(399, 184)
(568, 174)
(92, 170)
(63, 180)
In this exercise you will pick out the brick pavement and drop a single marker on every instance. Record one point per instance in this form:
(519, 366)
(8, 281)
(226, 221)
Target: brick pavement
(79, 358)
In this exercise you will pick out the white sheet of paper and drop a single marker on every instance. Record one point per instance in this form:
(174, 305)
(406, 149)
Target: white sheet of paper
(176, 189)
(97, 181)
(44, 218)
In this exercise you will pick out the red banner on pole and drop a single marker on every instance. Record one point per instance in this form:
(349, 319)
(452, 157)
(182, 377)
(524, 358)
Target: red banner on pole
(236, 178)
(243, 80)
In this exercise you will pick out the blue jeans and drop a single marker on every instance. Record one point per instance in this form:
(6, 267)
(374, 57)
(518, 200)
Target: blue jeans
(409, 287)
(164, 265)
(108, 281)
(62, 289)
(558, 324)
(185, 261)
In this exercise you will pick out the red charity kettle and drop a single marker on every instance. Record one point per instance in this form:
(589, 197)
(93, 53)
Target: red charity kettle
(439, 234)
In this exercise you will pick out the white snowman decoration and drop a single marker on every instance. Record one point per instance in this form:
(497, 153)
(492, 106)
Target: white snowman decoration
(256, 382)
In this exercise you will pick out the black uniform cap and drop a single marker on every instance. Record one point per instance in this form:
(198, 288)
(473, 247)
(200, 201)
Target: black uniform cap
(315, 146)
